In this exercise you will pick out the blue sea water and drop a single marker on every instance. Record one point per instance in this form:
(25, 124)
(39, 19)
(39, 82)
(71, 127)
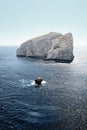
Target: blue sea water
(58, 104)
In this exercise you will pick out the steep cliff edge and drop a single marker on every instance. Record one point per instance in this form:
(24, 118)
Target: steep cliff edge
(51, 46)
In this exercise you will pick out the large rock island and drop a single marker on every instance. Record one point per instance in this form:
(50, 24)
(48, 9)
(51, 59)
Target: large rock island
(51, 46)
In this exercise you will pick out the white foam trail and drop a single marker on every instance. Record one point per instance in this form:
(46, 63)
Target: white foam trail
(32, 82)
(26, 83)
(44, 82)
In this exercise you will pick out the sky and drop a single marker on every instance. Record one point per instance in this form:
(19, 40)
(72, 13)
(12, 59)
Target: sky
(21, 20)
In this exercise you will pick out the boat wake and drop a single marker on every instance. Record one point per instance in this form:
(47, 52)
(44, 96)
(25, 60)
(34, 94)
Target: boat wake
(27, 83)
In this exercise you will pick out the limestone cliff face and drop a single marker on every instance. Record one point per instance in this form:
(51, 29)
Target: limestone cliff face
(62, 48)
(52, 46)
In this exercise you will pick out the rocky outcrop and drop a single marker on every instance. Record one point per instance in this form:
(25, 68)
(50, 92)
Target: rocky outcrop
(52, 46)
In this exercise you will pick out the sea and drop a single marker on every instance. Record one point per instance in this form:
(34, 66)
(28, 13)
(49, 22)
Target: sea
(60, 103)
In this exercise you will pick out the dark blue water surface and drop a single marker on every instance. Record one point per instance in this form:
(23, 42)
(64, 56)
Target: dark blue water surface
(60, 104)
